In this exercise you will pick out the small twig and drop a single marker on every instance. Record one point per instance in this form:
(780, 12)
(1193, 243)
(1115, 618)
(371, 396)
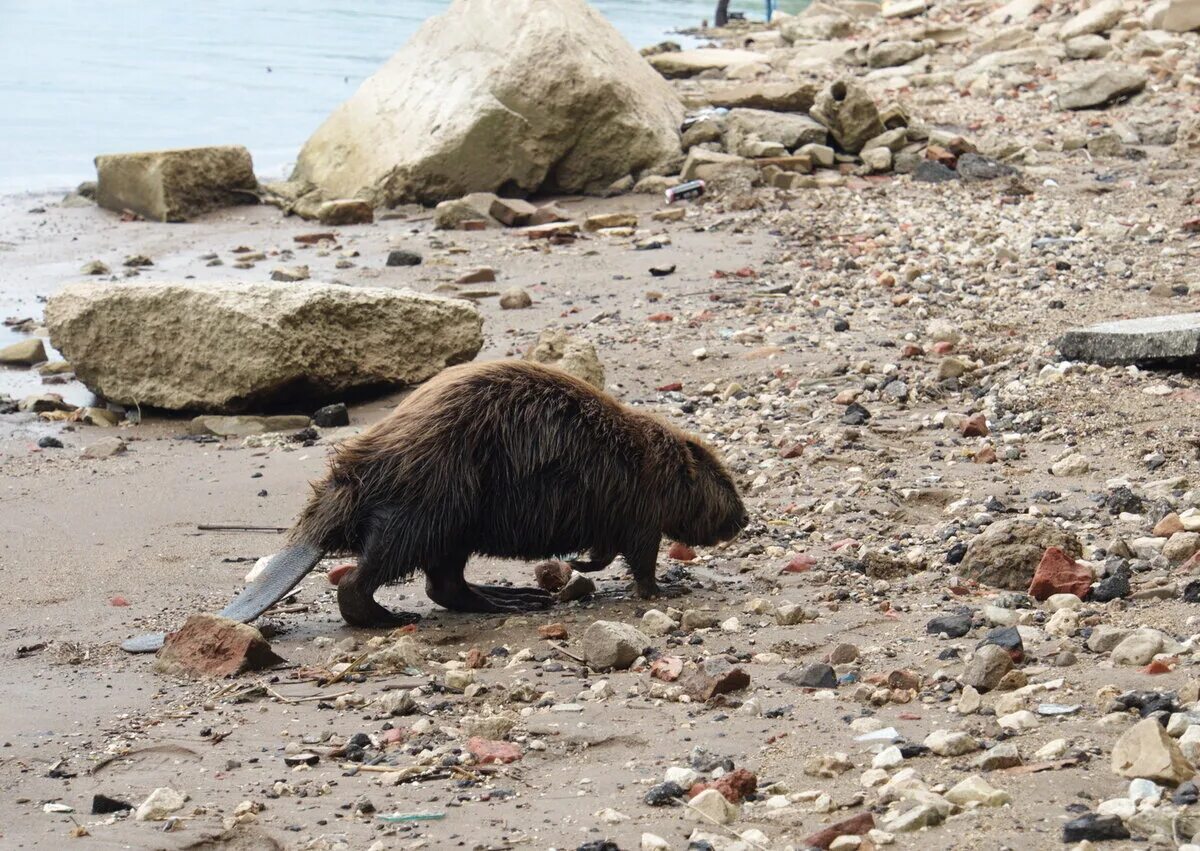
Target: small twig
(564, 651)
(347, 670)
(238, 527)
(311, 697)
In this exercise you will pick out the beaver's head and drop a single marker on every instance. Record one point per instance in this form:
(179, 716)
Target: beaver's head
(706, 507)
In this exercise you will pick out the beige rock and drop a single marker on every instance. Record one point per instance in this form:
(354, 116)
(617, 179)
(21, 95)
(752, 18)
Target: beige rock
(714, 805)
(976, 790)
(24, 352)
(1182, 16)
(689, 63)
(610, 220)
(475, 101)
(175, 185)
(1097, 18)
(224, 347)
(790, 96)
(515, 298)
(244, 426)
(345, 211)
(477, 206)
(703, 164)
(570, 354)
(850, 114)
(1097, 86)
(1145, 750)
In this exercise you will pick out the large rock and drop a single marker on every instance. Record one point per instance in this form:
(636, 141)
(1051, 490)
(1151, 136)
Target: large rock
(213, 646)
(1097, 86)
(850, 114)
(688, 63)
(1131, 341)
(1007, 553)
(228, 347)
(175, 185)
(1145, 750)
(521, 94)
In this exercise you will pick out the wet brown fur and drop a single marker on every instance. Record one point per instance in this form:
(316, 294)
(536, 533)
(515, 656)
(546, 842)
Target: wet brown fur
(516, 460)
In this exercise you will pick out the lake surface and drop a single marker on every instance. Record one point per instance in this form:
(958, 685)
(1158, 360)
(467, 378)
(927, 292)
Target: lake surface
(78, 79)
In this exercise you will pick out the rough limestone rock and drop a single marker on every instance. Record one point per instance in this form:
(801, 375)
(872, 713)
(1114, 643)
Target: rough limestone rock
(1007, 553)
(788, 130)
(781, 97)
(1182, 16)
(227, 347)
(572, 355)
(1097, 86)
(1145, 750)
(175, 185)
(213, 646)
(688, 63)
(612, 644)
(1135, 341)
(850, 114)
(476, 101)
(1101, 17)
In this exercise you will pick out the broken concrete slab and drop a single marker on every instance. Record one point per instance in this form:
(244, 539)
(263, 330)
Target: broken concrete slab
(1154, 339)
(175, 185)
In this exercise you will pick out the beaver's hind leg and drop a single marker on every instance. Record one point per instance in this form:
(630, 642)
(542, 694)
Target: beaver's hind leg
(446, 585)
(356, 600)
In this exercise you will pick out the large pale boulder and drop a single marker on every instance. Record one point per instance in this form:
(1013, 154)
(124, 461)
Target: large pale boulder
(229, 347)
(515, 94)
(175, 185)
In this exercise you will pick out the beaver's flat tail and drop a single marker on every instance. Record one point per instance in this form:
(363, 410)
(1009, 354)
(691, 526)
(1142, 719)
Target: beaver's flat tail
(282, 573)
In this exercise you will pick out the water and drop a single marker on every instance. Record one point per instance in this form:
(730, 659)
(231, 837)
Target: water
(78, 79)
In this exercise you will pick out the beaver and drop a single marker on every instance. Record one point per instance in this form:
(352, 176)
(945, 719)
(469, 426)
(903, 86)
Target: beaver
(510, 459)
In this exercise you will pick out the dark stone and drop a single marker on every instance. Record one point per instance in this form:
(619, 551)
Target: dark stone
(102, 805)
(1148, 702)
(816, 675)
(1191, 592)
(1186, 794)
(1007, 638)
(332, 416)
(50, 443)
(664, 794)
(400, 257)
(599, 845)
(955, 626)
(704, 760)
(841, 325)
(1095, 828)
(956, 553)
(910, 751)
(1123, 499)
(855, 414)
(1115, 586)
(976, 167)
(930, 171)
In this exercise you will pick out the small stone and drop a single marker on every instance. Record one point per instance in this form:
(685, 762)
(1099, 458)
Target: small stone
(332, 416)
(655, 622)
(577, 587)
(487, 752)
(481, 275)
(969, 702)
(1138, 648)
(1058, 573)
(664, 794)
(512, 212)
(1145, 750)
(552, 576)
(1073, 465)
(988, 666)
(815, 675)
(976, 790)
(612, 644)
(24, 353)
(858, 825)
(828, 765)
(1092, 827)
(735, 785)
(954, 626)
(515, 298)
(950, 743)
(843, 654)
(610, 220)
(401, 257)
(159, 805)
(713, 677)
(345, 211)
(999, 757)
(711, 805)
